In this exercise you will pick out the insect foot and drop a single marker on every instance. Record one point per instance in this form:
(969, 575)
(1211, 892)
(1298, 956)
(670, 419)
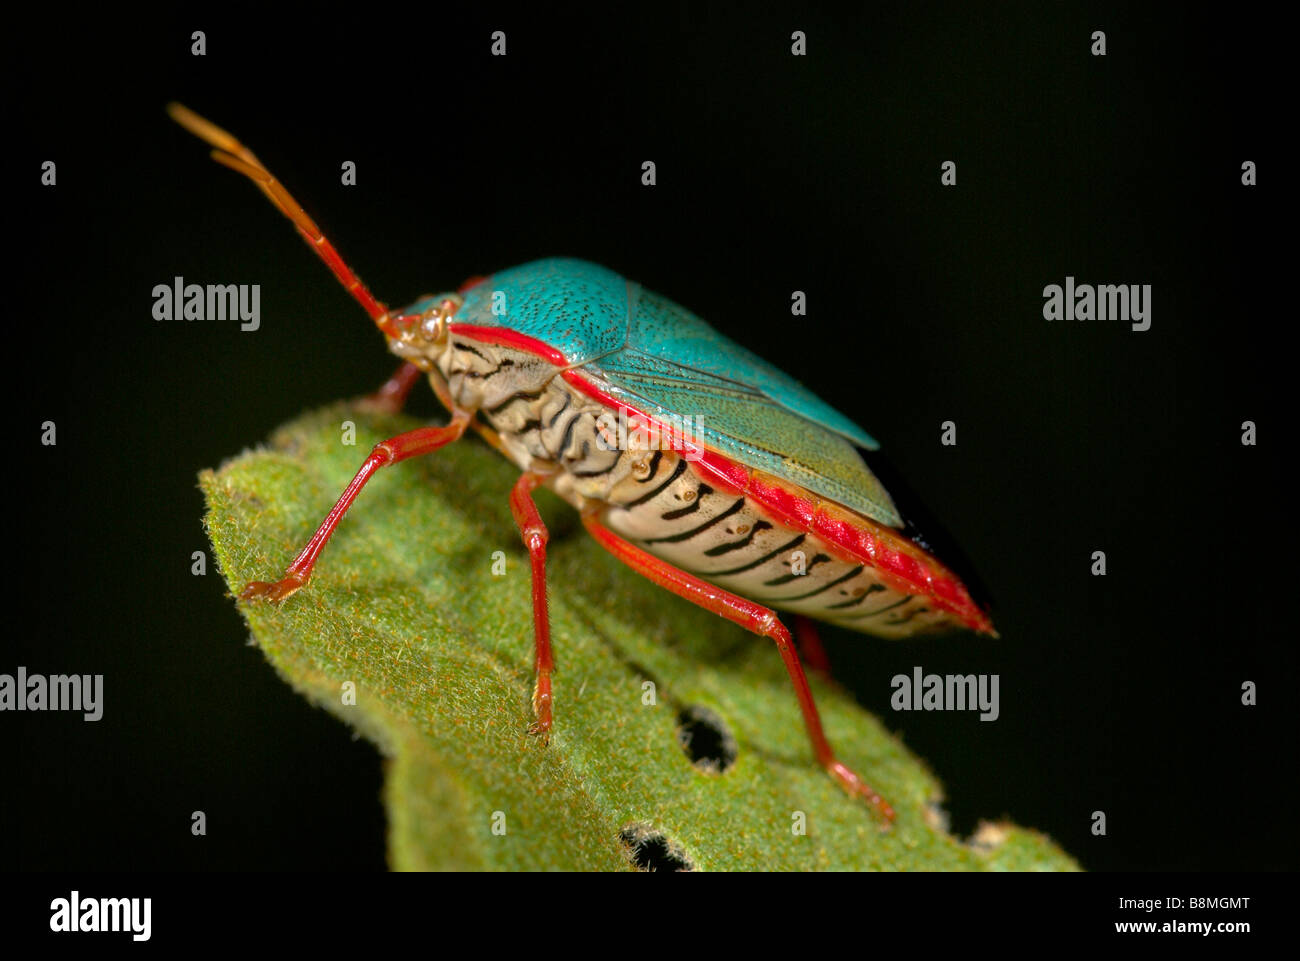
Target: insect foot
(261, 590)
(859, 788)
(541, 728)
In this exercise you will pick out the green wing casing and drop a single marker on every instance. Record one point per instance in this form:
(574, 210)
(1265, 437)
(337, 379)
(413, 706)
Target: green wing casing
(658, 357)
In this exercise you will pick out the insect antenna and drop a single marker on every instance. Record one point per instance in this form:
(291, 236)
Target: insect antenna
(233, 154)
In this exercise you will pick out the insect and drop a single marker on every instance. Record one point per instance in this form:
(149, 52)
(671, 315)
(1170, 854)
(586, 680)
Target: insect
(764, 499)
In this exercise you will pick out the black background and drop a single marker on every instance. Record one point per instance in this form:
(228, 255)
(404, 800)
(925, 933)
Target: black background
(775, 173)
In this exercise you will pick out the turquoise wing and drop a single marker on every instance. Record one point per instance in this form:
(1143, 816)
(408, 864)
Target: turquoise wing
(658, 357)
(579, 308)
(675, 363)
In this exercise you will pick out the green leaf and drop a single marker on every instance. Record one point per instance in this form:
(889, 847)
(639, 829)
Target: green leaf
(405, 606)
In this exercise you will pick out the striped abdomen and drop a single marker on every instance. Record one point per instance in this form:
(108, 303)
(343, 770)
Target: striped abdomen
(732, 541)
(672, 507)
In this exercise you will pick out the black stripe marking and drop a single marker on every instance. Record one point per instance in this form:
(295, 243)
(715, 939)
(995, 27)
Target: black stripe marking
(491, 373)
(654, 468)
(857, 600)
(457, 345)
(787, 578)
(686, 536)
(908, 616)
(556, 415)
(524, 428)
(703, 491)
(603, 470)
(829, 584)
(887, 607)
(517, 395)
(568, 434)
(737, 545)
(681, 466)
(762, 560)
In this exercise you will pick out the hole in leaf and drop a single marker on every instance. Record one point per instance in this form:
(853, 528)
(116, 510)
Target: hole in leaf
(652, 850)
(706, 739)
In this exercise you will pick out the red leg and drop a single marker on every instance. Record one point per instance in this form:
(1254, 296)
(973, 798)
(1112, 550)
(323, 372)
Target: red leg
(390, 451)
(810, 646)
(535, 537)
(391, 398)
(753, 617)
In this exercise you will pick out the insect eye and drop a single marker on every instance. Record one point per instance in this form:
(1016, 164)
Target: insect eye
(433, 327)
(433, 322)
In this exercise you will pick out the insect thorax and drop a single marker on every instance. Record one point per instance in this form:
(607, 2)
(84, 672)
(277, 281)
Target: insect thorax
(543, 423)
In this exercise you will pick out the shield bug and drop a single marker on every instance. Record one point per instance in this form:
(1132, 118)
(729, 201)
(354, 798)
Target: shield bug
(692, 460)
